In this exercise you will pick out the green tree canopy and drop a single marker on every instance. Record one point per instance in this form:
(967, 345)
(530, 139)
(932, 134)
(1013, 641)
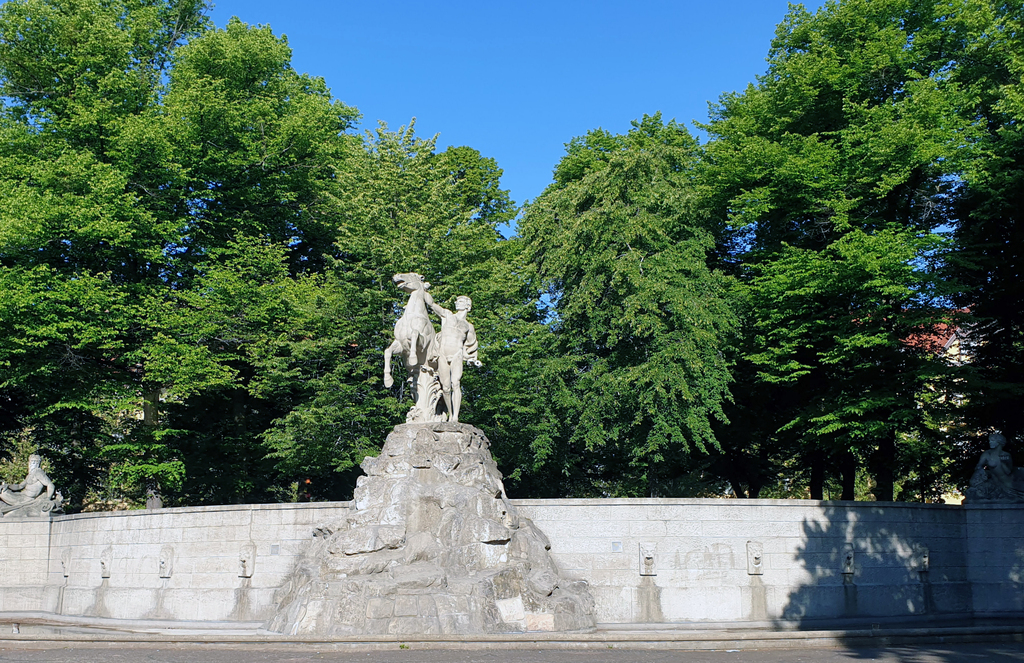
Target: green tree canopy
(197, 253)
(636, 374)
(830, 179)
(79, 249)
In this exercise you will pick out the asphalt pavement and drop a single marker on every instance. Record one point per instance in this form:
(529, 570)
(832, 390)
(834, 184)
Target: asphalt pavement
(958, 653)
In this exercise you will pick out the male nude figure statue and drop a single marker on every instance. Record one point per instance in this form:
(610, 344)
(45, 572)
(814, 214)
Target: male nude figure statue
(455, 344)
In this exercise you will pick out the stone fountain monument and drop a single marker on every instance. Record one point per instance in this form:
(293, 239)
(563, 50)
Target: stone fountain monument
(432, 544)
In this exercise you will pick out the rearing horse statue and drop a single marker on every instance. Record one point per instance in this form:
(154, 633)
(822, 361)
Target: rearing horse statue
(414, 334)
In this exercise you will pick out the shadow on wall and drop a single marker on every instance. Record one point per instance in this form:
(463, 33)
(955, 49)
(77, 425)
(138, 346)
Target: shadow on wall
(890, 564)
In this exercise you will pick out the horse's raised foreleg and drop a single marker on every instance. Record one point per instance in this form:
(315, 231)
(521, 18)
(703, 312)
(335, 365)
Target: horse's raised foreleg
(396, 346)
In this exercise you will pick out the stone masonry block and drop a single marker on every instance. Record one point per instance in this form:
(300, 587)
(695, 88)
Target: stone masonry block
(380, 608)
(737, 511)
(647, 528)
(406, 606)
(615, 604)
(687, 527)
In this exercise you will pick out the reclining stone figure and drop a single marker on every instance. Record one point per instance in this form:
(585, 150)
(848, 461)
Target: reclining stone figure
(35, 496)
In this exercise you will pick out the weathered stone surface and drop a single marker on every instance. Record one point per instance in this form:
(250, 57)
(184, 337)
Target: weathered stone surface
(431, 545)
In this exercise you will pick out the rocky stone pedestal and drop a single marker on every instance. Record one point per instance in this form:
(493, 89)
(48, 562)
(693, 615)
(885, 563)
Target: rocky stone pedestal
(431, 546)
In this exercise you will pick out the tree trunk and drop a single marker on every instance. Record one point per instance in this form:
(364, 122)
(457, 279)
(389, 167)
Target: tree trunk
(756, 483)
(884, 460)
(848, 469)
(817, 475)
(238, 408)
(150, 405)
(737, 487)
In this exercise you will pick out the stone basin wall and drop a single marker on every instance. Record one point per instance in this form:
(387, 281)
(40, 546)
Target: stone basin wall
(908, 559)
(59, 566)
(647, 560)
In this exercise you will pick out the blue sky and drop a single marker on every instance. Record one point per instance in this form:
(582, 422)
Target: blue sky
(518, 80)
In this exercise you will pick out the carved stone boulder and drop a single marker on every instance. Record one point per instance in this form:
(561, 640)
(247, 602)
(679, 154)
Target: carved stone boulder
(431, 546)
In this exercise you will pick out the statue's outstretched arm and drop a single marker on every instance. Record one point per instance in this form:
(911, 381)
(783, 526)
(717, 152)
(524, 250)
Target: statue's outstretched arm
(441, 311)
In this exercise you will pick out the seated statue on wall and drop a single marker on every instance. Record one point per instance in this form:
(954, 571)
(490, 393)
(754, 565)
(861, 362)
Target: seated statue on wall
(35, 496)
(995, 479)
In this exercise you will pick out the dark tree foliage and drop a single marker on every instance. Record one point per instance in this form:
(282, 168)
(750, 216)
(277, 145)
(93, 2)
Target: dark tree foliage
(989, 234)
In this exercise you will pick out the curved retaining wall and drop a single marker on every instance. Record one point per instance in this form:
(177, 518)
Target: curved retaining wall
(647, 560)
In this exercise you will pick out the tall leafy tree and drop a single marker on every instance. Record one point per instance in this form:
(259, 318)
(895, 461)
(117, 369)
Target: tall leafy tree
(254, 154)
(78, 252)
(257, 144)
(403, 206)
(829, 179)
(197, 253)
(990, 230)
(635, 376)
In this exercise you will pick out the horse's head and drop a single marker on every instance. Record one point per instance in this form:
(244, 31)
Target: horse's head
(410, 282)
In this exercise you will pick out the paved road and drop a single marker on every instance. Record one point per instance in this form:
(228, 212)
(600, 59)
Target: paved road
(971, 653)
